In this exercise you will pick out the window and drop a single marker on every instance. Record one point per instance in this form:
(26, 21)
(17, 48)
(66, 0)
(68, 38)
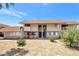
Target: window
(27, 25)
(50, 33)
(54, 33)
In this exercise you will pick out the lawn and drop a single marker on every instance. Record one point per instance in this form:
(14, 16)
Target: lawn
(36, 48)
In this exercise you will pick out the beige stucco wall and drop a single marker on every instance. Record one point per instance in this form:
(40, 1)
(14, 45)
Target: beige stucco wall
(51, 27)
(34, 27)
(27, 28)
(12, 34)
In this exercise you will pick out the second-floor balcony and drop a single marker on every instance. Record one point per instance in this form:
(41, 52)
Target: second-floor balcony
(68, 27)
(65, 28)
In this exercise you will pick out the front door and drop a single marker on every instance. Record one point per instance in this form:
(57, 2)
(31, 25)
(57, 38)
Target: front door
(40, 34)
(42, 31)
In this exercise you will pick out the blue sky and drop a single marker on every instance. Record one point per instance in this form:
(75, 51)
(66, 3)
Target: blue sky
(41, 11)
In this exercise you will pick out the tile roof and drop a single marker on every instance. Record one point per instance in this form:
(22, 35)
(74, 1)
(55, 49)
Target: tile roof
(42, 21)
(71, 22)
(10, 29)
(47, 22)
(3, 26)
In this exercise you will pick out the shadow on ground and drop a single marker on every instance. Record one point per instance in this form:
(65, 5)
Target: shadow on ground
(73, 48)
(15, 52)
(76, 48)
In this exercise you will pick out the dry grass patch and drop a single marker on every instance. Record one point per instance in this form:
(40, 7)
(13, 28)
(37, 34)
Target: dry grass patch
(37, 47)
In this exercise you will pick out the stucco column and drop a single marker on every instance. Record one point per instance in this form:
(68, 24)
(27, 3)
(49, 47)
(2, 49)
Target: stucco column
(22, 32)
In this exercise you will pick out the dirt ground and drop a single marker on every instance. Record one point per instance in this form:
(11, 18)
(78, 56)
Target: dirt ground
(36, 48)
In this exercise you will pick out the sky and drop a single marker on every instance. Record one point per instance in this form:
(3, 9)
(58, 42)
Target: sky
(39, 11)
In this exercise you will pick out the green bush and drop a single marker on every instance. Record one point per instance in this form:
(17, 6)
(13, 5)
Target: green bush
(21, 42)
(52, 38)
(70, 37)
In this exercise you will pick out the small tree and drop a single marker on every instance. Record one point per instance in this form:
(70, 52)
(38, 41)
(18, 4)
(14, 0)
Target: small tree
(21, 42)
(52, 38)
(70, 37)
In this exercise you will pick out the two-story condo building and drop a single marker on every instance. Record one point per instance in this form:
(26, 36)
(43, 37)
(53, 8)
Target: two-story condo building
(37, 29)
(45, 28)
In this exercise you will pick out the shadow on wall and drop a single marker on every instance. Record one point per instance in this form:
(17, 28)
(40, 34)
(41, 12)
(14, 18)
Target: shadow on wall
(15, 52)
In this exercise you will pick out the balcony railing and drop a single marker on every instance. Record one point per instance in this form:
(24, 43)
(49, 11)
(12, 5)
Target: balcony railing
(65, 28)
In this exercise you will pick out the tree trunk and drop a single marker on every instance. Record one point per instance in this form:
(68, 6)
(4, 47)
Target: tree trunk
(70, 44)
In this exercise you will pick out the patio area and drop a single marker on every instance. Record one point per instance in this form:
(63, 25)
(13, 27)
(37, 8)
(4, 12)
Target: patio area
(36, 48)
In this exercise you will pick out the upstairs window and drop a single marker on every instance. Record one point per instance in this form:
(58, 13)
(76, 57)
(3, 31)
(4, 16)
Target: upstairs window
(27, 25)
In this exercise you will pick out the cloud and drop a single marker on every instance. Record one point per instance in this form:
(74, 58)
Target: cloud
(21, 13)
(45, 4)
(11, 12)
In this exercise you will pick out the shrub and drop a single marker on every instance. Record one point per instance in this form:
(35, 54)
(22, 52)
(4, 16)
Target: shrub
(70, 37)
(21, 42)
(52, 38)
